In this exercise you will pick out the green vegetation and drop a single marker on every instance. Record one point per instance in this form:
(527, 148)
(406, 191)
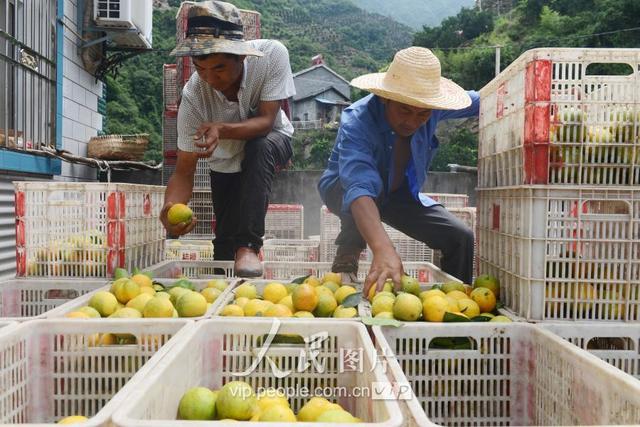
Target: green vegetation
(355, 42)
(415, 13)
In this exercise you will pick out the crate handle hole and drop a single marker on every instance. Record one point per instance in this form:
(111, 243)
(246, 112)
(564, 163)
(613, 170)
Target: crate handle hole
(606, 207)
(453, 343)
(62, 294)
(610, 343)
(608, 69)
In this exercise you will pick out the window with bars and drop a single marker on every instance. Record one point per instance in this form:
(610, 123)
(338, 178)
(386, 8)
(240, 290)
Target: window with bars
(27, 74)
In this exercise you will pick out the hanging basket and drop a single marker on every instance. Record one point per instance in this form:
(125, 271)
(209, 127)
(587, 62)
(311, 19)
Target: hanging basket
(118, 147)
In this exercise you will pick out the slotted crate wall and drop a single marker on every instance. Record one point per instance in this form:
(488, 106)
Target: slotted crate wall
(616, 344)
(408, 249)
(26, 299)
(560, 116)
(51, 369)
(85, 229)
(563, 253)
(502, 374)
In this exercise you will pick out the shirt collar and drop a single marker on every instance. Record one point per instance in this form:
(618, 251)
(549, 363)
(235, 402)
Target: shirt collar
(378, 115)
(243, 83)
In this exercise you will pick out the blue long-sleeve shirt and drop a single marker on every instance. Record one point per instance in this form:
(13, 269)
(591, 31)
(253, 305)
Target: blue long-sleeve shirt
(362, 156)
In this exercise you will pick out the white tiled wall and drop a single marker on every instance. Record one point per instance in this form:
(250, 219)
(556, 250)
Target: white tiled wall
(81, 119)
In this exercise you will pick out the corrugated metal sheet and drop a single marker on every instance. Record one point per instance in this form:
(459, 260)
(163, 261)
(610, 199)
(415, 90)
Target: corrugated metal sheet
(7, 229)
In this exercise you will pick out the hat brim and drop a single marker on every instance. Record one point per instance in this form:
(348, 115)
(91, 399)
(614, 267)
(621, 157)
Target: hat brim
(452, 96)
(206, 45)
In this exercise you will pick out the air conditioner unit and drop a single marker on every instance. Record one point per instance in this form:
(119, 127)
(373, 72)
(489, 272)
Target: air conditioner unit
(127, 22)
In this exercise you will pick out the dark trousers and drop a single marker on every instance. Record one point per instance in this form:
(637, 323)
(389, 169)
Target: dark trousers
(434, 226)
(240, 200)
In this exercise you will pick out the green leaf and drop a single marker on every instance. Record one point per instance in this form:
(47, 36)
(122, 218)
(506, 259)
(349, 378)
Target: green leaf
(352, 300)
(373, 321)
(120, 273)
(183, 283)
(480, 318)
(436, 286)
(499, 305)
(136, 270)
(299, 280)
(451, 317)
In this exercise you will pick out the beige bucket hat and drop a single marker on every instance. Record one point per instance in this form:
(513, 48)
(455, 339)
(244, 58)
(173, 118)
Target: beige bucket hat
(213, 27)
(414, 78)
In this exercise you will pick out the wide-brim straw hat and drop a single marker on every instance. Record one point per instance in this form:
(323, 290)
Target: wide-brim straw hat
(414, 79)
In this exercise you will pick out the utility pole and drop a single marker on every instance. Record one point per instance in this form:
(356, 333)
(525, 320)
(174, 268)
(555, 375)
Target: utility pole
(497, 59)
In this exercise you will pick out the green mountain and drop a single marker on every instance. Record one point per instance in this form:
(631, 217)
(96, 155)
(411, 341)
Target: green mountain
(415, 13)
(351, 40)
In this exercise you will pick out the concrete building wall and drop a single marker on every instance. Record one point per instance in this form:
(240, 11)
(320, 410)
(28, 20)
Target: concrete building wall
(300, 187)
(81, 92)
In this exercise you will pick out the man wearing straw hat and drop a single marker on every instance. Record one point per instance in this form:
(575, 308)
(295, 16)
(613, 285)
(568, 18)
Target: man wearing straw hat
(379, 163)
(230, 114)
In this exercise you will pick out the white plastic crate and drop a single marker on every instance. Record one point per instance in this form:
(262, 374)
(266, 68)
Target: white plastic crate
(563, 253)
(79, 229)
(510, 374)
(188, 250)
(232, 346)
(291, 250)
(551, 117)
(616, 344)
(449, 200)
(202, 207)
(284, 270)
(51, 369)
(174, 269)
(26, 299)
(408, 249)
(5, 325)
(260, 284)
(170, 86)
(284, 222)
(199, 285)
(201, 179)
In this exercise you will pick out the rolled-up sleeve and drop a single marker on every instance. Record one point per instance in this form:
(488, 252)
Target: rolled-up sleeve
(189, 120)
(472, 110)
(358, 170)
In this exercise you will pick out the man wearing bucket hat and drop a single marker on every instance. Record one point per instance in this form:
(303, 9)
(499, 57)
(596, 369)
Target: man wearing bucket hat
(379, 163)
(230, 114)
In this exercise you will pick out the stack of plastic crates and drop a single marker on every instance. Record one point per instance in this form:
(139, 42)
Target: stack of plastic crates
(66, 229)
(408, 249)
(292, 250)
(284, 222)
(559, 184)
(502, 374)
(52, 369)
(302, 358)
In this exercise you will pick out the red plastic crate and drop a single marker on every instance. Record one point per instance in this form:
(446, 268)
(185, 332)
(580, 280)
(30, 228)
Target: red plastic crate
(550, 118)
(170, 86)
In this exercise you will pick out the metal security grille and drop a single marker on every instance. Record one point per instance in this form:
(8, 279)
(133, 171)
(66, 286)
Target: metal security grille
(27, 73)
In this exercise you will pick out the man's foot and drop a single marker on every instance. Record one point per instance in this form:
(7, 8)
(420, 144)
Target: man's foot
(247, 263)
(346, 263)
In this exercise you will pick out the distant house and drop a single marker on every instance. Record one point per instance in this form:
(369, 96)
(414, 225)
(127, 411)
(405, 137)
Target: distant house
(321, 95)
